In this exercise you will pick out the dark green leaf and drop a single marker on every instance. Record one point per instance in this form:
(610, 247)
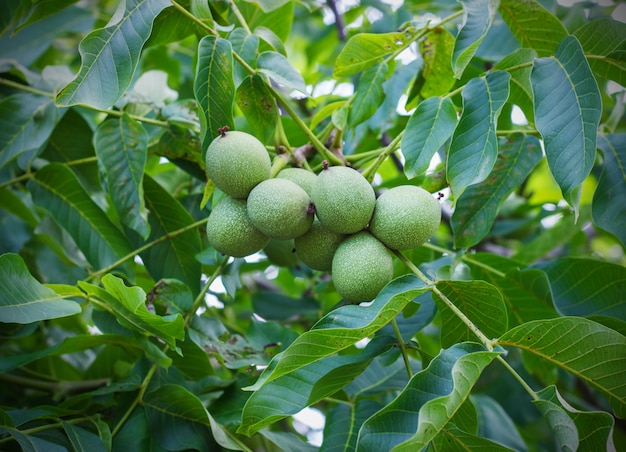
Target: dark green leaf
(175, 256)
(45, 8)
(26, 300)
(279, 69)
(343, 423)
(287, 394)
(526, 291)
(428, 403)
(81, 439)
(594, 353)
(609, 200)
(214, 87)
(128, 305)
(347, 325)
(277, 306)
(288, 441)
(586, 287)
(476, 209)
(26, 122)
(477, 19)
(256, 102)
(453, 439)
(56, 188)
(518, 65)
(122, 149)
(429, 127)
(480, 301)
(474, 146)
(568, 107)
(31, 443)
(179, 408)
(364, 50)
(584, 430)
(534, 26)
(110, 55)
(495, 423)
(369, 94)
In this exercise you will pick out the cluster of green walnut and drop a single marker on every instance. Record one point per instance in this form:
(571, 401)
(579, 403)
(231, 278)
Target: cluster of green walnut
(332, 221)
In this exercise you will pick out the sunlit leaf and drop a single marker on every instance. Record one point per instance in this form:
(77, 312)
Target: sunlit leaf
(430, 126)
(429, 401)
(594, 353)
(26, 122)
(246, 45)
(533, 26)
(476, 209)
(604, 42)
(609, 200)
(369, 94)
(214, 87)
(480, 301)
(56, 188)
(568, 107)
(477, 19)
(474, 146)
(437, 76)
(122, 148)
(518, 65)
(26, 300)
(110, 55)
(364, 50)
(280, 70)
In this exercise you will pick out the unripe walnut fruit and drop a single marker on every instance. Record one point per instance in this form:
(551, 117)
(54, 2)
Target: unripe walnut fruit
(230, 231)
(280, 209)
(317, 247)
(344, 200)
(362, 266)
(236, 162)
(405, 217)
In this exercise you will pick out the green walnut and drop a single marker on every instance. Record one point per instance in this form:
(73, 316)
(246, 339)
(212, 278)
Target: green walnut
(344, 200)
(405, 217)
(236, 162)
(230, 231)
(300, 176)
(317, 247)
(362, 266)
(280, 209)
(281, 253)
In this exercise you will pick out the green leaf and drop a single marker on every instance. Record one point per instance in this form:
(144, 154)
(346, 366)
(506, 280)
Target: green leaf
(122, 149)
(278, 68)
(174, 256)
(518, 65)
(609, 200)
(429, 401)
(56, 189)
(26, 300)
(437, 75)
(245, 45)
(429, 127)
(526, 291)
(480, 301)
(495, 423)
(586, 287)
(477, 19)
(214, 87)
(128, 306)
(270, 5)
(604, 42)
(533, 26)
(347, 325)
(43, 9)
(343, 423)
(590, 351)
(178, 407)
(453, 439)
(257, 104)
(568, 108)
(474, 146)
(31, 443)
(369, 94)
(584, 430)
(611, 67)
(110, 55)
(26, 122)
(476, 209)
(363, 50)
(290, 393)
(81, 439)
